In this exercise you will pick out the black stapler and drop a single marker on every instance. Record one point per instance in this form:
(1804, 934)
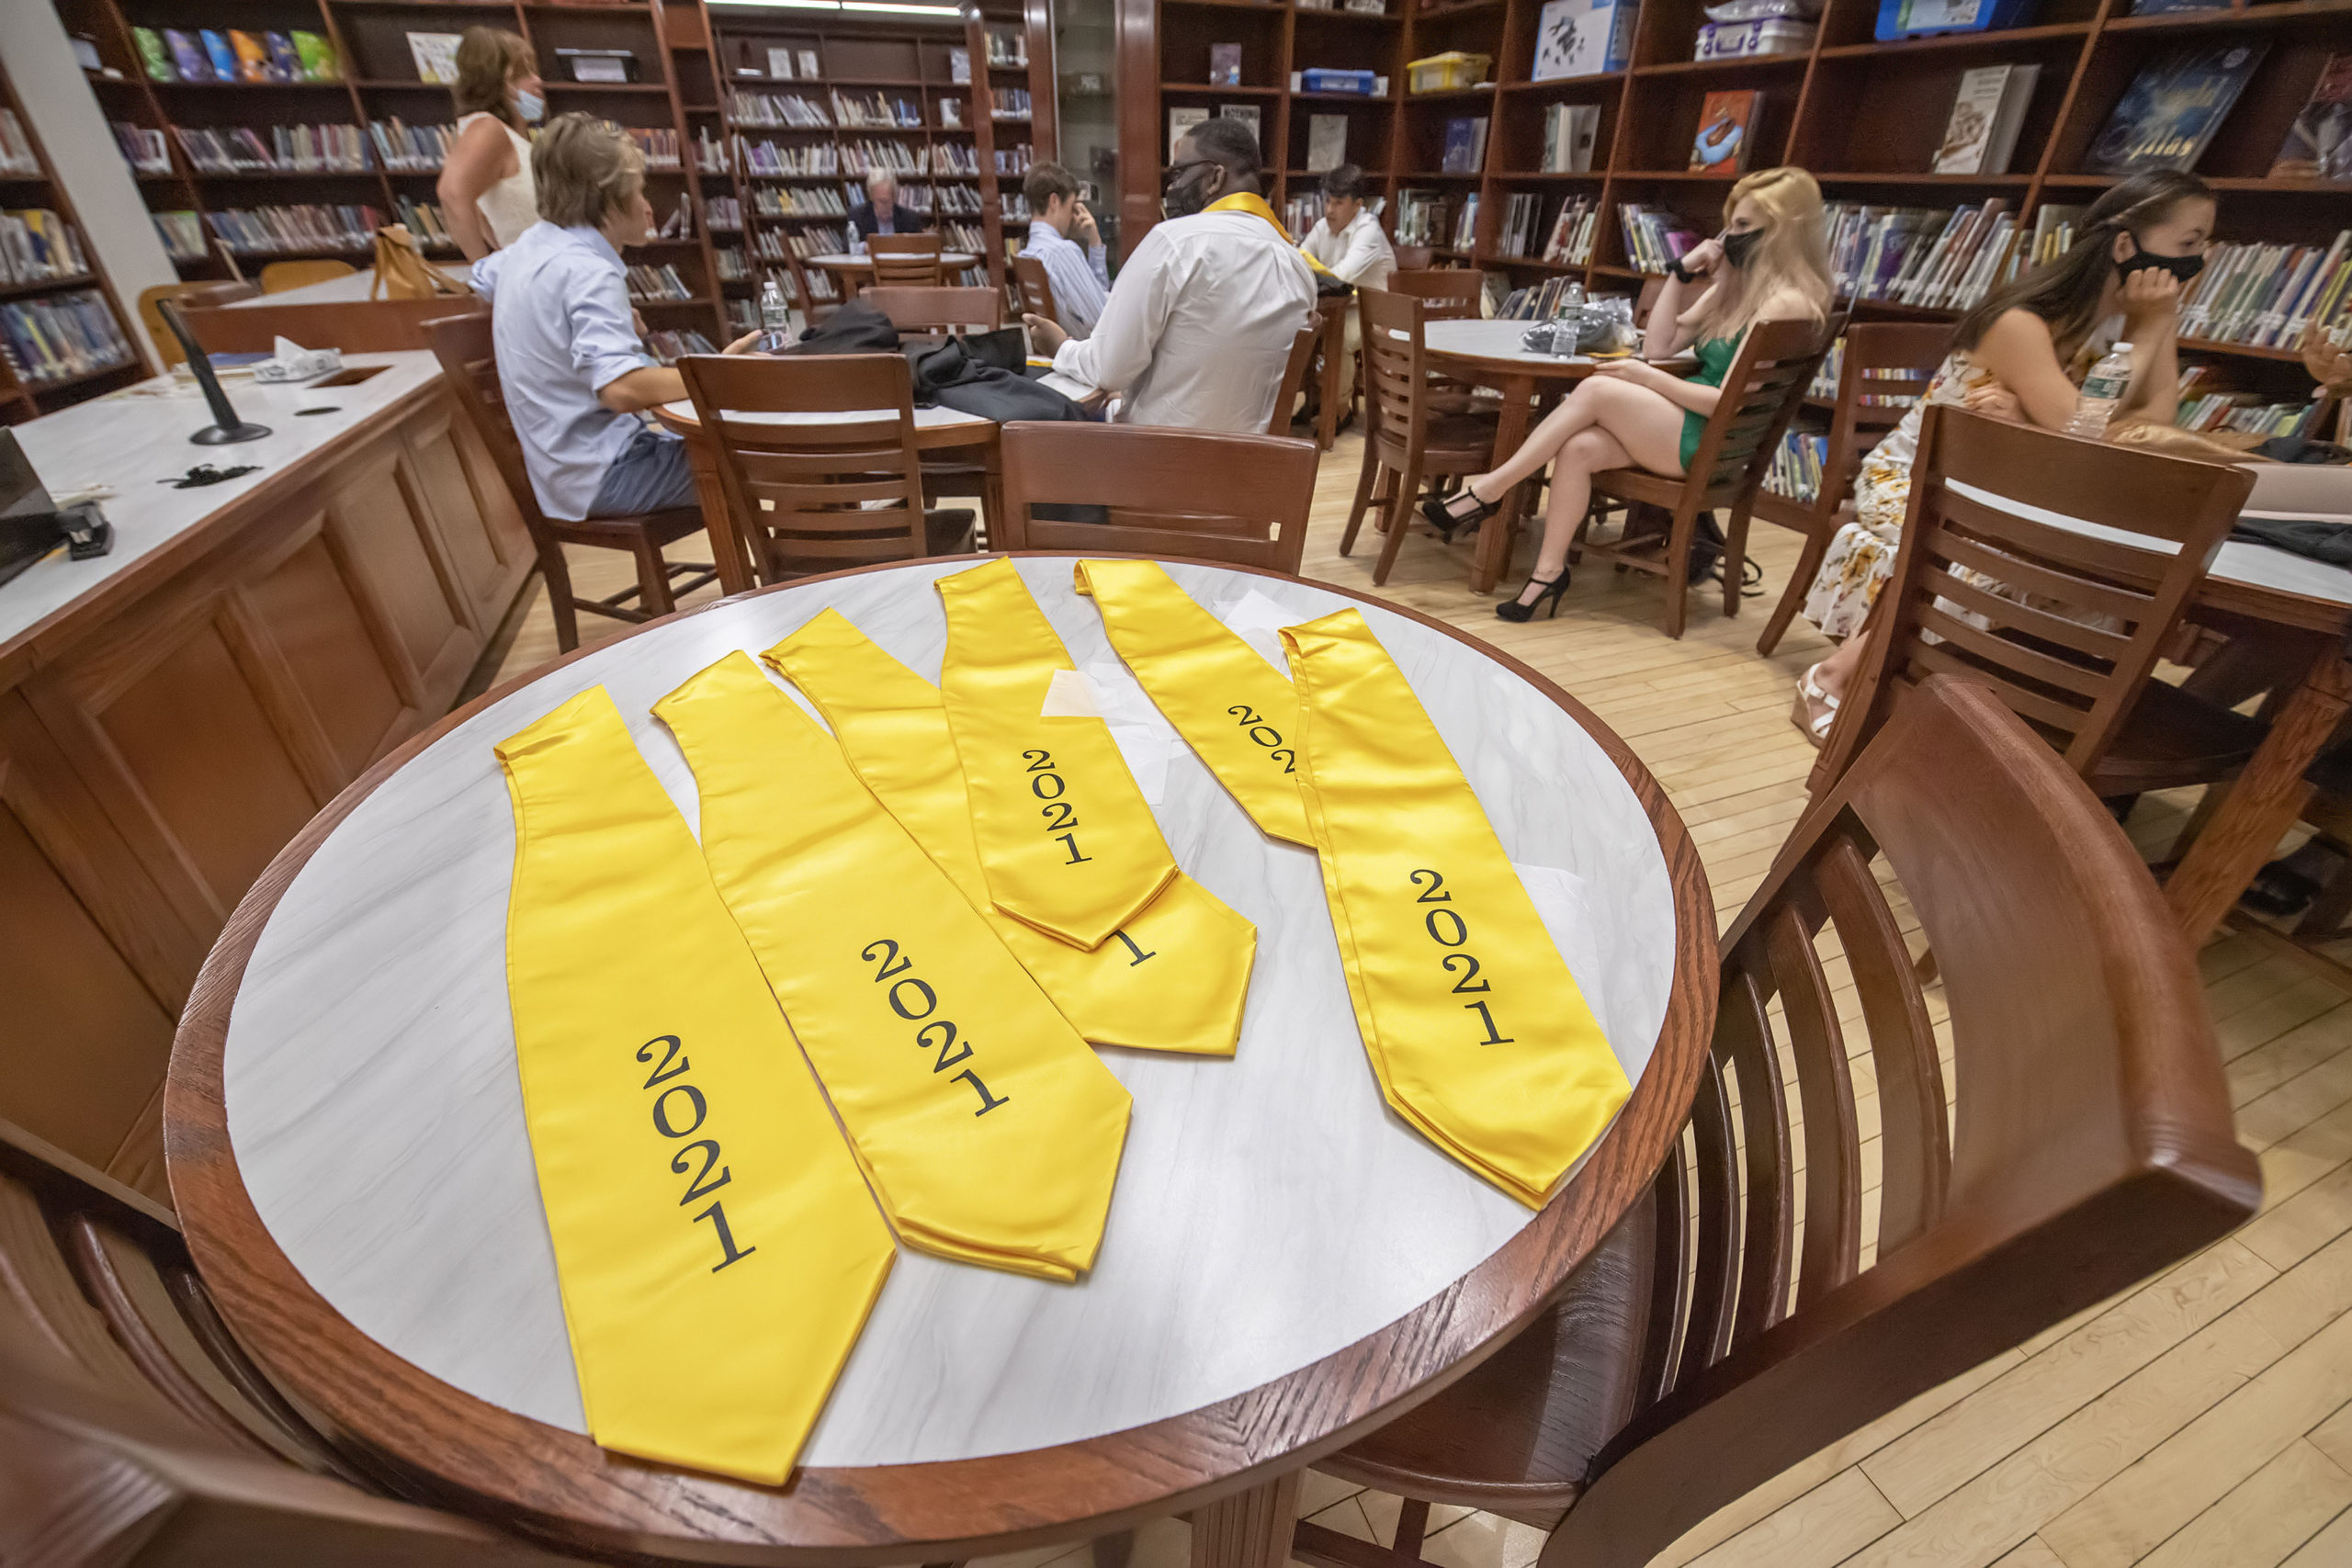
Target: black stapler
(31, 525)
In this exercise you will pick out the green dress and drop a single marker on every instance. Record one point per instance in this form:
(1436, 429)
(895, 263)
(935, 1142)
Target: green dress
(1715, 358)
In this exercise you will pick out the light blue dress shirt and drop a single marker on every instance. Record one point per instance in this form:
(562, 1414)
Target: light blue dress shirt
(1082, 278)
(559, 318)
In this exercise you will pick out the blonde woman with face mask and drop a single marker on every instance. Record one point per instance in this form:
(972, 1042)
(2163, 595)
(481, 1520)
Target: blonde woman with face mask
(1771, 263)
(487, 198)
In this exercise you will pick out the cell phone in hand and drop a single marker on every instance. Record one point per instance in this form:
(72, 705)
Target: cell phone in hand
(774, 342)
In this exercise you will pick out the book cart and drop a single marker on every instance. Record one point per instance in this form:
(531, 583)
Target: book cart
(1865, 117)
(96, 353)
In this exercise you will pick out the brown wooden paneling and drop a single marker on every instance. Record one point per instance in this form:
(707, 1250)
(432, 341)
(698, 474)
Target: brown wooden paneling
(314, 621)
(376, 326)
(485, 575)
(378, 527)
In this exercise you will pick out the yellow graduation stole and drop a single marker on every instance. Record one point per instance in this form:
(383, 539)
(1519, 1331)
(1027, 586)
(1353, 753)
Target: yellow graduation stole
(1250, 201)
(1065, 839)
(989, 1130)
(1232, 708)
(1473, 1025)
(1174, 978)
(716, 1250)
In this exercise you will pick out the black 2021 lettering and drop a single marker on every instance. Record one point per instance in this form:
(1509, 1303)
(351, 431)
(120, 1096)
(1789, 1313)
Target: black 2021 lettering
(1449, 930)
(1058, 813)
(683, 1103)
(912, 998)
(1265, 735)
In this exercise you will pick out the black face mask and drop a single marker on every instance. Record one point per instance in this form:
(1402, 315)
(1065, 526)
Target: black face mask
(1739, 246)
(2185, 268)
(1187, 194)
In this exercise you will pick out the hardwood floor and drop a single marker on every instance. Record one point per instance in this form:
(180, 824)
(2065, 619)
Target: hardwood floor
(2204, 1418)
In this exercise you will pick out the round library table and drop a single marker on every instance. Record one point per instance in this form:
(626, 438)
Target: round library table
(936, 430)
(1489, 354)
(1285, 1260)
(856, 271)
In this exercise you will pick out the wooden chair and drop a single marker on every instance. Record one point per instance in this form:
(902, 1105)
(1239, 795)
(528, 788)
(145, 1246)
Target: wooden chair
(462, 344)
(1406, 439)
(906, 261)
(1885, 369)
(2093, 1145)
(816, 455)
(1449, 293)
(279, 277)
(1762, 388)
(188, 297)
(1244, 498)
(1414, 258)
(1302, 354)
(2074, 663)
(1037, 288)
(938, 311)
(134, 1432)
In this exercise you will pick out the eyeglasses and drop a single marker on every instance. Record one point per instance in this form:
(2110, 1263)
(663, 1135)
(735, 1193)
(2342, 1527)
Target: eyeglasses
(1175, 172)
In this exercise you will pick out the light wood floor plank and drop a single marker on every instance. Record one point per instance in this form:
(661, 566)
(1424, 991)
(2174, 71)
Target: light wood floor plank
(2265, 1519)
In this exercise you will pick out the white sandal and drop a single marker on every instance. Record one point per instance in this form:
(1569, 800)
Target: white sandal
(1815, 709)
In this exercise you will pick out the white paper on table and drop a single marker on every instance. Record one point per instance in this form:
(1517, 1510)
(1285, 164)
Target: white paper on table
(1257, 619)
(1559, 900)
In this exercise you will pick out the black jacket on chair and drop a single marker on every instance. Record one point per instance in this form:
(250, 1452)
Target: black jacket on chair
(904, 220)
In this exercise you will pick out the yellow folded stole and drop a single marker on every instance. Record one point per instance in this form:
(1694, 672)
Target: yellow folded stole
(1067, 839)
(716, 1250)
(990, 1131)
(1174, 978)
(1473, 1023)
(1233, 708)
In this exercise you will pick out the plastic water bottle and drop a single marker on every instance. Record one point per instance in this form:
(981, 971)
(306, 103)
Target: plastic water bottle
(2102, 390)
(775, 315)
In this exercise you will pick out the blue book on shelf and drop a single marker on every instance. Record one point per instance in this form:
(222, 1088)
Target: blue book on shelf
(1465, 146)
(1918, 18)
(224, 57)
(2169, 113)
(2153, 7)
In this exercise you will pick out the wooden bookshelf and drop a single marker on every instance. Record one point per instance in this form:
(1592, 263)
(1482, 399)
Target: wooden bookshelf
(1865, 117)
(21, 397)
(381, 83)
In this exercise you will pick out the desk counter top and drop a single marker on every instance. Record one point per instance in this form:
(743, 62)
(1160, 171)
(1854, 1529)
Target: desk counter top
(138, 439)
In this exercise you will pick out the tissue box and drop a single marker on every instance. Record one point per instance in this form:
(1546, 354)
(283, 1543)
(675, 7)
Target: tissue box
(1916, 18)
(1582, 37)
(1729, 40)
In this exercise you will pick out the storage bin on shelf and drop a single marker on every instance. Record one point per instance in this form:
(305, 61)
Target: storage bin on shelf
(1447, 73)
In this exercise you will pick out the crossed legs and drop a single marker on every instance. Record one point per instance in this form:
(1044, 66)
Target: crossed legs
(1604, 424)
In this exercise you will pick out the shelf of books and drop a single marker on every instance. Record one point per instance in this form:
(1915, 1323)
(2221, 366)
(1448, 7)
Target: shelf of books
(1591, 142)
(806, 112)
(300, 129)
(62, 337)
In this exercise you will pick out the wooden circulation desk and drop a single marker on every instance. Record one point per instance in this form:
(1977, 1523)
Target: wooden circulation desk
(172, 712)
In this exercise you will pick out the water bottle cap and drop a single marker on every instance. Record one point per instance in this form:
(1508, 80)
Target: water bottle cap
(2121, 348)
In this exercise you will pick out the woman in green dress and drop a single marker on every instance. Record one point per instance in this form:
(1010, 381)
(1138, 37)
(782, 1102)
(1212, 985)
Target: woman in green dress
(1771, 263)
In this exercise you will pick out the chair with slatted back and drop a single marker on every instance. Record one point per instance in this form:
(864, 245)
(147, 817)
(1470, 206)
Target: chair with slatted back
(469, 367)
(1037, 288)
(1762, 389)
(1448, 293)
(1244, 498)
(279, 277)
(187, 296)
(941, 311)
(813, 289)
(1414, 258)
(816, 455)
(135, 1433)
(1883, 369)
(2082, 1141)
(1302, 353)
(1408, 437)
(905, 261)
(2097, 549)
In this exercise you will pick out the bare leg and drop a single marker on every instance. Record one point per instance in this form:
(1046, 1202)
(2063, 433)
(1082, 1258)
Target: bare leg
(1580, 410)
(1635, 428)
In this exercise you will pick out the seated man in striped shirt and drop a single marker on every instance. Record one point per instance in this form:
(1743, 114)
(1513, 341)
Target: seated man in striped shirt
(1062, 234)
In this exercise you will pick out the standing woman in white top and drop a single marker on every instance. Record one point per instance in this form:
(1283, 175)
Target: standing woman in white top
(486, 199)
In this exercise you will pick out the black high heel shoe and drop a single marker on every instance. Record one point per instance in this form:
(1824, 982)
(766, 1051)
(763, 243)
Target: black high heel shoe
(1513, 611)
(1438, 509)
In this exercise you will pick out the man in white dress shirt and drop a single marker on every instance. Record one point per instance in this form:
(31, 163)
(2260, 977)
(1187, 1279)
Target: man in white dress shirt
(1349, 241)
(1062, 234)
(1200, 322)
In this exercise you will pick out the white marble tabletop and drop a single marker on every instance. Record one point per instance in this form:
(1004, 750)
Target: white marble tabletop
(845, 259)
(137, 438)
(1503, 340)
(1270, 1208)
(925, 418)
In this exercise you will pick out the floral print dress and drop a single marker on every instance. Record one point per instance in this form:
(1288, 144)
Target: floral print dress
(1861, 555)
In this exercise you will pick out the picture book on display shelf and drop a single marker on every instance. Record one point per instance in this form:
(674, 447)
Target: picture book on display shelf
(1465, 146)
(1582, 37)
(1225, 65)
(1982, 135)
(1571, 132)
(1725, 120)
(1327, 143)
(2319, 144)
(2166, 117)
(1180, 124)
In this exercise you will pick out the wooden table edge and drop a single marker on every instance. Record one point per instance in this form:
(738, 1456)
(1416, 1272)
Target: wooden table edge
(511, 1469)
